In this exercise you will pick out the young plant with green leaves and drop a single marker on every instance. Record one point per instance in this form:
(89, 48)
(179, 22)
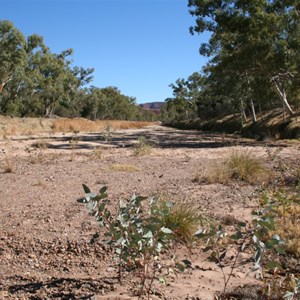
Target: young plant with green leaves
(262, 239)
(136, 234)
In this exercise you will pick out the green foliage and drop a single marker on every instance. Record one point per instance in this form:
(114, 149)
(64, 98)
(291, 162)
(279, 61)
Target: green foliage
(12, 52)
(254, 60)
(269, 237)
(183, 105)
(253, 46)
(36, 82)
(136, 234)
(261, 238)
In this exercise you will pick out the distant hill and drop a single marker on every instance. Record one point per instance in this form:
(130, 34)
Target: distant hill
(154, 106)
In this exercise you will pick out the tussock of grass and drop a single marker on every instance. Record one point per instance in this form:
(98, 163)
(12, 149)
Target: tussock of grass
(288, 226)
(182, 218)
(246, 167)
(128, 124)
(142, 147)
(213, 173)
(97, 153)
(239, 166)
(24, 126)
(36, 158)
(124, 168)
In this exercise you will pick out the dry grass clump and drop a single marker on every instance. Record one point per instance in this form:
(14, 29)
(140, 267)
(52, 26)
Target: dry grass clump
(124, 168)
(24, 126)
(80, 124)
(29, 126)
(5, 132)
(182, 217)
(73, 125)
(142, 147)
(128, 124)
(246, 167)
(239, 165)
(36, 158)
(288, 226)
(213, 173)
(97, 153)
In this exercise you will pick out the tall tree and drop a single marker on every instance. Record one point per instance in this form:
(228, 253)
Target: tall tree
(12, 52)
(258, 38)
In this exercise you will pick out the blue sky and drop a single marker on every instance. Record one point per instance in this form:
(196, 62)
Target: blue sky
(139, 46)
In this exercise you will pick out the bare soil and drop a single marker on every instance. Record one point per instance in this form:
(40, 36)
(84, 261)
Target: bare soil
(45, 250)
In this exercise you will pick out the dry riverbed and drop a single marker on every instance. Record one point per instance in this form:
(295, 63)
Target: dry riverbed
(44, 243)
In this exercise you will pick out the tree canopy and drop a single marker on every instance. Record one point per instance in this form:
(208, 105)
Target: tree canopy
(34, 81)
(254, 51)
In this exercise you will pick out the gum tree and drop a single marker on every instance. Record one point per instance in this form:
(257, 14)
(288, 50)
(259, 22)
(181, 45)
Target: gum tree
(259, 39)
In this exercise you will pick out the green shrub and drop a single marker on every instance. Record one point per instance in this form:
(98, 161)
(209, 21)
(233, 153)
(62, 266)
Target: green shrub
(136, 234)
(272, 234)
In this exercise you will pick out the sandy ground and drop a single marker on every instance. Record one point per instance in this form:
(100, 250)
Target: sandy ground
(44, 243)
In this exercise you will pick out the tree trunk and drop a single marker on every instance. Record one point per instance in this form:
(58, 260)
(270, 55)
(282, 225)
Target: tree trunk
(253, 111)
(282, 96)
(1, 87)
(49, 109)
(259, 106)
(4, 83)
(243, 114)
(47, 112)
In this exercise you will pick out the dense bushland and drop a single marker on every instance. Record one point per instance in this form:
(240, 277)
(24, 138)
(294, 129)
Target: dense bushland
(253, 65)
(36, 82)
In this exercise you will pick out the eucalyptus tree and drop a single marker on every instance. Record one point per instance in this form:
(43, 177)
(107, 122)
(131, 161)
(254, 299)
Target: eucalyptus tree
(55, 81)
(74, 89)
(118, 106)
(186, 94)
(94, 106)
(12, 52)
(12, 61)
(257, 38)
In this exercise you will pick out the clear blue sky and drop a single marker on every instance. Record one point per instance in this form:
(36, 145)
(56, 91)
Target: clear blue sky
(139, 46)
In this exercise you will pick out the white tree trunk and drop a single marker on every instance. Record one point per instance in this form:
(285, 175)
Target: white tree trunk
(254, 119)
(4, 83)
(282, 96)
(243, 114)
